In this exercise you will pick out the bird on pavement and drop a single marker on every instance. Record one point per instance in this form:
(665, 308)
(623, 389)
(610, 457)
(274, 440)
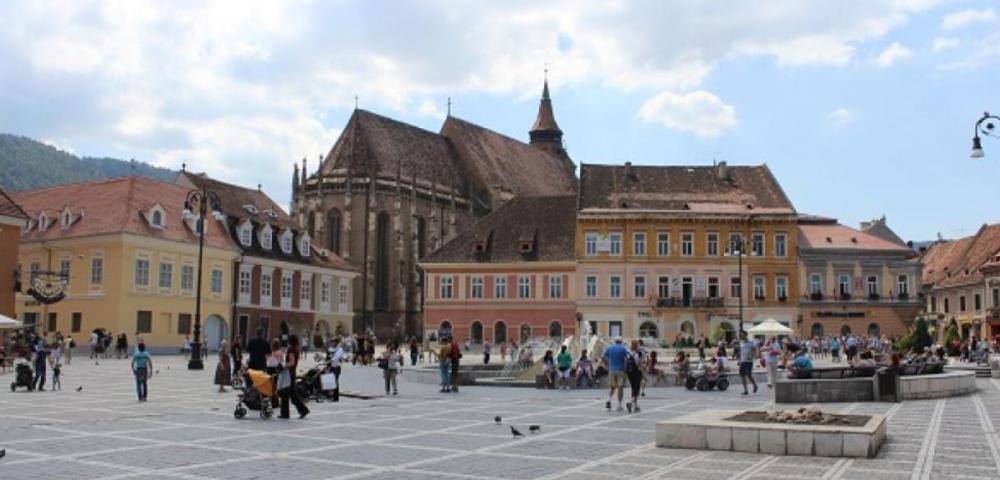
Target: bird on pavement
(3, 453)
(80, 388)
(534, 428)
(515, 432)
(497, 419)
(157, 372)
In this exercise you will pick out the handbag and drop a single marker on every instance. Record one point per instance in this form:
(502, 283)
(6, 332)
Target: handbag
(284, 380)
(328, 381)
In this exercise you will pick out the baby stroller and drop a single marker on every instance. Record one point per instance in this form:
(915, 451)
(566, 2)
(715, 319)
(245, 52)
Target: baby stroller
(23, 375)
(256, 395)
(707, 378)
(319, 384)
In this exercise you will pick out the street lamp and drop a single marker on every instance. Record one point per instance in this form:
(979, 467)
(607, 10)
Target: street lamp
(196, 207)
(986, 126)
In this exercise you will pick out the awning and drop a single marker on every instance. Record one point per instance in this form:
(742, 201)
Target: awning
(769, 327)
(7, 322)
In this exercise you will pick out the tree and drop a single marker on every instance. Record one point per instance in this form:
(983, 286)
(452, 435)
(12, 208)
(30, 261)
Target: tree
(921, 338)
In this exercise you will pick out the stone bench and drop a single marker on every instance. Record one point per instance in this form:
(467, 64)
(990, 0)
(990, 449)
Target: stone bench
(940, 385)
(866, 389)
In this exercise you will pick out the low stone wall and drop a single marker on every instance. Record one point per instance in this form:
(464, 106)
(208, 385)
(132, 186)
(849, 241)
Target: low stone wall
(709, 430)
(941, 385)
(825, 390)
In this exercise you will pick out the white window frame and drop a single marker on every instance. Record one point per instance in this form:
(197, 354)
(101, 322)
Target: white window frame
(287, 242)
(266, 236)
(841, 283)
(615, 239)
(781, 287)
(97, 270)
(305, 245)
(663, 286)
(816, 283)
(285, 288)
(615, 286)
(344, 295)
(216, 281)
(476, 287)
(870, 286)
(687, 244)
(555, 286)
(246, 234)
(759, 287)
(735, 287)
(140, 276)
(735, 243)
(663, 244)
(639, 244)
(712, 244)
(590, 243)
(903, 284)
(717, 283)
(780, 245)
(758, 244)
(187, 277)
(305, 291)
(266, 286)
(447, 289)
(245, 283)
(590, 286)
(166, 272)
(639, 286)
(523, 287)
(324, 291)
(500, 286)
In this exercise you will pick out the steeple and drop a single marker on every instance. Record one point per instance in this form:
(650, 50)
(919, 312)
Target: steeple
(545, 133)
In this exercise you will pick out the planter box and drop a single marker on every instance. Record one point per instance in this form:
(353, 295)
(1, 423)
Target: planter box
(709, 430)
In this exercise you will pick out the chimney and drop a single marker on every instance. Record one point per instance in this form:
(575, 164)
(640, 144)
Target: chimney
(722, 171)
(629, 172)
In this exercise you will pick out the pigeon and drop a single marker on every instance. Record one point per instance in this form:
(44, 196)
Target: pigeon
(96, 363)
(168, 367)
(534, 428)
(3, 453)
(497, 419)
(157, 372)
(515, 432)
(80, 388)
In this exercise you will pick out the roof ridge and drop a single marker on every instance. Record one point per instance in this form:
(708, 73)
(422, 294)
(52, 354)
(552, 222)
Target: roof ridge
(14, 204)
(781, 189)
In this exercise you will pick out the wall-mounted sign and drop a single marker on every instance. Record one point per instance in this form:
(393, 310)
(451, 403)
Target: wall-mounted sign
(603, 244)
(838, 314)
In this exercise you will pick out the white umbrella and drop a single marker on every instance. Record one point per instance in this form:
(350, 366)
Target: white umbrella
(769, 327)
(7, 322)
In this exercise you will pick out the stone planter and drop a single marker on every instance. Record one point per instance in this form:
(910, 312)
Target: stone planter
(709, 430)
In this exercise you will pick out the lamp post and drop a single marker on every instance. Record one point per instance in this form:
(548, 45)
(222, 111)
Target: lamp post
(199, 200)
(986, 126)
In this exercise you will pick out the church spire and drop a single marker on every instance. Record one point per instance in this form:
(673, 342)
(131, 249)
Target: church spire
(545, 133)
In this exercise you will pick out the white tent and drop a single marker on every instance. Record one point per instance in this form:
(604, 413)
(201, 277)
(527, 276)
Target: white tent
(769, 327)
(7, 322)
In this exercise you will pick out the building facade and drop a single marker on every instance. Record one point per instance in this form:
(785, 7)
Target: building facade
(387, 194)
(12, 220)
(665, 252)
(509, 277)
(959, 279)
(129, 256)
(854, 281)
(284, 283)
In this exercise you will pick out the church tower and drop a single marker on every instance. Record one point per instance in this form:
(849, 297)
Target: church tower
(545, 133)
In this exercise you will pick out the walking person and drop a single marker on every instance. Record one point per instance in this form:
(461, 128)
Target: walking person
(614, 357)
(444, 364)
(289, 393)
(748, 352)
(236, 355)
(633, 370)
(835, 350)
(223, 368)
(772, 355)
(259, 349)
(486, 353)
(41, 358)
(186, 347)
(68, 353)
(335, 357)
(142, 367)
(414, 351)
(456, 357)
(390, 364)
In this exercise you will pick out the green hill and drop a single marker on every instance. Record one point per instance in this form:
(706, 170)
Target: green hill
(26, 164)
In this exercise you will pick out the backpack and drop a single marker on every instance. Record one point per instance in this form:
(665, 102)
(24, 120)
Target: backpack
(631, 366)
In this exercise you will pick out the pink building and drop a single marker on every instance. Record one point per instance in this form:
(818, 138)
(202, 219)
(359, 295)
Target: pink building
(509, 277)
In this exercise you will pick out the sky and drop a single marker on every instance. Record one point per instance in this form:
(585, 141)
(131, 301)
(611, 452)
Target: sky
(861, 108)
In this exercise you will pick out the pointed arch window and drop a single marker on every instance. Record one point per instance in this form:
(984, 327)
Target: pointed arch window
(421, 237)
(333, 231)
(382, 261)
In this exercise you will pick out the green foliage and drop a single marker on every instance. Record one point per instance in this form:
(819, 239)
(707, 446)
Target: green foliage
(718, 333)
(26, 164)
(920, 337)
(951, 333)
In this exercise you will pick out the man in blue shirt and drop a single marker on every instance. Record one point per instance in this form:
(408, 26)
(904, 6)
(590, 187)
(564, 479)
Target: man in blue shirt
(614, 356)
(142, 364)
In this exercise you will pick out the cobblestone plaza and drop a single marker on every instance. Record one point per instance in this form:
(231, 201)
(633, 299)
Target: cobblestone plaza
(187, 431)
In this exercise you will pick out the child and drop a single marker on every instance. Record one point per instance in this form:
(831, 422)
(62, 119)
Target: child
(56, 376)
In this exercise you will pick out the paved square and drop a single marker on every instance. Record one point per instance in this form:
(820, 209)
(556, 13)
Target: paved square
(187, 431)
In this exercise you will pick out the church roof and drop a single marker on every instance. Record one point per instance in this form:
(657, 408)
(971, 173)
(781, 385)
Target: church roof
(546, 119)
(720, 189)
(372, 143)
(493, 160)
(547, 224)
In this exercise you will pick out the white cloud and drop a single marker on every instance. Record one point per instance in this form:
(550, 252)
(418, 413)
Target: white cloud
(806, 50)
(945, 43)
(892, 54)
(698, 112)
(964, 18)
(841, 116)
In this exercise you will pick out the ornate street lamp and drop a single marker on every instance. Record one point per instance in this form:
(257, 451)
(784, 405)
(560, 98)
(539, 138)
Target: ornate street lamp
(986, 126)
(196, 207)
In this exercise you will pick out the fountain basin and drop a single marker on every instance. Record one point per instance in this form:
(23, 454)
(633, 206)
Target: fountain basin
(717, 430)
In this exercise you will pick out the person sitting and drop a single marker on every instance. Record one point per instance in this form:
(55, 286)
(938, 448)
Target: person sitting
(584, 370)
(801, 367)
(682, 365)
(866, 362)
(549, 369)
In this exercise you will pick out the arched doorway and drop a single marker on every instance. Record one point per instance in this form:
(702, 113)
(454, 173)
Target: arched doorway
(816, 331)
(444, 330)
(215, 331)
(648, 330)
(845, 330)
(525, 332)
(555, 329)
(874, 330)
(687, 329)
(728, 333)
(499, 332)
(476, 332)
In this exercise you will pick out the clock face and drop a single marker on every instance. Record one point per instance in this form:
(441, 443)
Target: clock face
(48, 287)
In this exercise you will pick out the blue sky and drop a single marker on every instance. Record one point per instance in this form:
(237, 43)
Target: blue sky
(861, 108)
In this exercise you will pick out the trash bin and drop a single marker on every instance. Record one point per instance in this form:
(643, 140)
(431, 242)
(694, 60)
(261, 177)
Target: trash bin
(887, 381)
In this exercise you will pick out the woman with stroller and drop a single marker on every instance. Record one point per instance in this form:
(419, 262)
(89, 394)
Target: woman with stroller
(289, 393)
(223, 368)
(274, 362)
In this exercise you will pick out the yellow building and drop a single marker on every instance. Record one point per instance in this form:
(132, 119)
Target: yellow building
(130, 258)
(658, 250)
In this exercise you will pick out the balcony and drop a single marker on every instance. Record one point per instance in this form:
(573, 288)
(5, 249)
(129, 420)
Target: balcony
(694, 302)
(842, 297)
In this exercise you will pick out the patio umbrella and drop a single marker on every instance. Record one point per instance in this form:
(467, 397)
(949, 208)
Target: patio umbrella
(7, 322)
(769, 327)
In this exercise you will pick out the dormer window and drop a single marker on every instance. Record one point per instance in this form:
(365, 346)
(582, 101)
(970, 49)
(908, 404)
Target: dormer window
(479, 247)
(265, 237)
(67, 218)
(286, 242)
(156, 217)
(304, 245)
(246, 234)
(43, 222)
(251, 209)
(527, 246)
(270, 214)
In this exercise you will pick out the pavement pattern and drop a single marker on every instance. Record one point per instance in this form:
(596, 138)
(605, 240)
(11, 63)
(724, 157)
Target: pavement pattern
(187, 431)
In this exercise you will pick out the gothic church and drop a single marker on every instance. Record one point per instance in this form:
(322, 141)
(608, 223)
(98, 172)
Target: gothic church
(389, 193)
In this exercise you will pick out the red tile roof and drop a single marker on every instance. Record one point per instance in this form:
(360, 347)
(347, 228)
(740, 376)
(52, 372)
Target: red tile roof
(118, 205)
(819, 236)
(958, 262)
(9, 208)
